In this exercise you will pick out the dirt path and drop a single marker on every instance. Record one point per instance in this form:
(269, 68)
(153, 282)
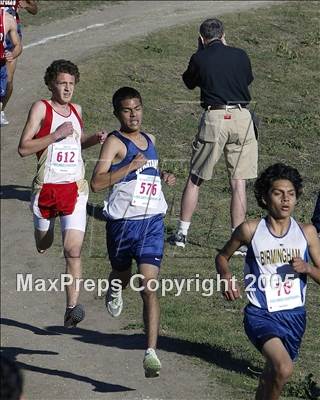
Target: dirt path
(94, 361)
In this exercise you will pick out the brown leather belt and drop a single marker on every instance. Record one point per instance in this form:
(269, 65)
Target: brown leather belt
(224, 107)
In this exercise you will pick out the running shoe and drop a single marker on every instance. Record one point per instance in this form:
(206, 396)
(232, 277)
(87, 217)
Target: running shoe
(73, 316)
(3, 119)
(114, 302)
(178, 239)
(151, 364)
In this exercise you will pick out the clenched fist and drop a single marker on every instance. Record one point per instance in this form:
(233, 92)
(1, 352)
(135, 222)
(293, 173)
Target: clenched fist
(63, 131)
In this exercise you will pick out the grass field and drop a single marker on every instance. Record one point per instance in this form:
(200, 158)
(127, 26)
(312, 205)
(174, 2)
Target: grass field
(51, 10)
(283, 43)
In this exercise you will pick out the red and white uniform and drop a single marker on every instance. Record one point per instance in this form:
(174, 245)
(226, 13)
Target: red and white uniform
(61, 162)
(59, 183)
(13, 5)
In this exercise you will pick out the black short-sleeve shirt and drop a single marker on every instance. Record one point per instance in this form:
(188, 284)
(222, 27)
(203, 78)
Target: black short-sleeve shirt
(222, 72)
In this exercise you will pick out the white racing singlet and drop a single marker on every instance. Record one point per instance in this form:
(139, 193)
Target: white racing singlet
(61, 162)
(270, 281)
(139, 194)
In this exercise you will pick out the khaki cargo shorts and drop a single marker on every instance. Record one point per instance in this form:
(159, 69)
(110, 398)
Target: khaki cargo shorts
(230, 132)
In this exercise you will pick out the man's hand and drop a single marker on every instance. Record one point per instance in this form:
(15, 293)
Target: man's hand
(200, 43)
(230, 285)
(8, 56)
(64, 130)
(101, 136)
(223, 40)
(23, 4)
(300, 266)
(29, 5)
(138, 161)
(168, 178)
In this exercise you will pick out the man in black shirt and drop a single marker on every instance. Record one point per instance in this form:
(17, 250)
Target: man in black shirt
(223, 74)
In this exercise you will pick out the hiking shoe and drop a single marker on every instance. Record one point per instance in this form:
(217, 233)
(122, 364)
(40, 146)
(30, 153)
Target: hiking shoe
(3, 119)
(114, 302)
(151, 364)
(73, 316)
(178, 239)
(242, 251)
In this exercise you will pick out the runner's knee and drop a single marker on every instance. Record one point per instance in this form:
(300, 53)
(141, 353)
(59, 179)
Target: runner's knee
(72, 252)
(149, 289)
(283, 371)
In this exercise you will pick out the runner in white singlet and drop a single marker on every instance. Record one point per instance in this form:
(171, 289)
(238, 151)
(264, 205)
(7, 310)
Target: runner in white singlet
(275, 275)
(54, 132)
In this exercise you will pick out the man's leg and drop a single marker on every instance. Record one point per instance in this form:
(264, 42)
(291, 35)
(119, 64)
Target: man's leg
(118, 280)
(3, 89)
(11, 67)
(151, 308)
(43, 233)
(72, 244)
(189, 203)
(151, 318)
(238, 205)
(277, 371)
(189, 198)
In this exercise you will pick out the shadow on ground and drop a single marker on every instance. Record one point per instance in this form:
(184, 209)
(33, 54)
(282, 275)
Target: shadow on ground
(98, 386)
(135, 341)
(21, 193)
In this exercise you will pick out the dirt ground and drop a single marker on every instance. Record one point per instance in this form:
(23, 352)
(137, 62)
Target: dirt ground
(96, 360)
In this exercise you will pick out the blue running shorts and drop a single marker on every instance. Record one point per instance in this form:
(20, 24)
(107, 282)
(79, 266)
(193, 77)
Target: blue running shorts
(261, 325)
(3, 80)
(142, 240)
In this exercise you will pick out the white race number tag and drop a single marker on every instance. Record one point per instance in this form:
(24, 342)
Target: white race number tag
(65, 158)
(282, 295)
(147, 191)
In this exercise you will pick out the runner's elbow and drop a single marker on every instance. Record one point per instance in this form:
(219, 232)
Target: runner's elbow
(94, 185)
(22, 151)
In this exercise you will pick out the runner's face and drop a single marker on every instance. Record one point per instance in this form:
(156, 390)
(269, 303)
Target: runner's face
(62, 88)
(281, 198)
(130, 115)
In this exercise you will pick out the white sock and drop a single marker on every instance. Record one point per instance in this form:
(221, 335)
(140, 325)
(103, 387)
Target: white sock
(183, 227)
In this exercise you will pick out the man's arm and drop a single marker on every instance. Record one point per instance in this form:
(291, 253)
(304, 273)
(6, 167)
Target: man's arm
(15, 39)
(191, 76)
(242, 235)
(301, 266)
(30, 5)
(101, 177)
(28, 144)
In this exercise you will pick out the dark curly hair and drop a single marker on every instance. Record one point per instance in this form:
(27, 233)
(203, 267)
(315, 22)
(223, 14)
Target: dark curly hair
(271, 174)
(59, 66)
(124, 93)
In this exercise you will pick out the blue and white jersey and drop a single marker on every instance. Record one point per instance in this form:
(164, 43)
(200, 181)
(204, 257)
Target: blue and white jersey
(139, 194)
(270, 281)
